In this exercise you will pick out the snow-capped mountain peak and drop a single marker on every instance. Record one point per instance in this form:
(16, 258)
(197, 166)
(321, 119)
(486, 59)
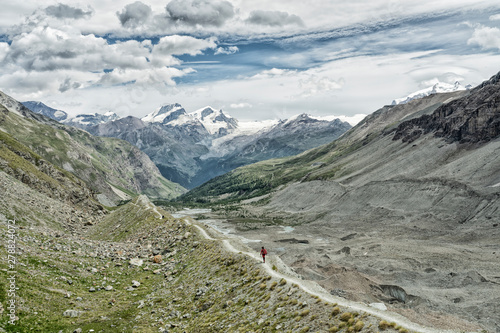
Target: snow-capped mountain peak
(439, 87)
(300, 118)
(165, 114)
(86, 120)
(215, 121)
(39, 107)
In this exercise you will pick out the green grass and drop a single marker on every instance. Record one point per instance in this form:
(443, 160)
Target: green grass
(93, 159)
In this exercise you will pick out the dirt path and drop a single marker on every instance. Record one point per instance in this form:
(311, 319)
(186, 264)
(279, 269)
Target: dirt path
(234, 244)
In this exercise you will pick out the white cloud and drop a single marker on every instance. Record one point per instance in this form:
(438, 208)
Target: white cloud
(495, 17)
(226, 50)
(485, 37)
(200, 12)
(143, 77)
(273, 72)
(273, 18)
(178, 45)
(4, 50)
(134, 14)
(49, 49)
(63, 11)
(35, 85)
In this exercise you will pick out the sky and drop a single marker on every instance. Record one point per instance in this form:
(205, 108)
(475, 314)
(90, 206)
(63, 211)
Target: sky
(252, 59)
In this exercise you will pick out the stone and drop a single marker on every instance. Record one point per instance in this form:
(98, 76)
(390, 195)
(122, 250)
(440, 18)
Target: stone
(379, 306)
(78, 330)
(71, 313)
(108, 288)
(136, 284)
(157, 259)
(136, 262)
(91, 289)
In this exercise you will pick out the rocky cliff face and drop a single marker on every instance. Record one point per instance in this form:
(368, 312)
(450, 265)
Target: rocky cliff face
(474, 118)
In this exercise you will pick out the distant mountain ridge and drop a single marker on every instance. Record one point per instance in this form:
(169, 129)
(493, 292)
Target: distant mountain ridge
(437, 88)
(39, 107)
(191, 148)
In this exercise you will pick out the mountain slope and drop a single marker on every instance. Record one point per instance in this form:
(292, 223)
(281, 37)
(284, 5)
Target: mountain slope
(39, 107)
(191, 148)
(409, 198)
(330, 161)
(90, 158)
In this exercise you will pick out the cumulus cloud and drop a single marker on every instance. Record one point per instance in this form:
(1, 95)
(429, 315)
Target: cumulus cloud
(77, 60)
(134, 14)
(150, 76)
(62, 11)
(48, 49)
(495, 17)
(273, 18)
(34, 85)
(67, 84)
(226, 50)
(178, 45)
(485, 37)
(200, 12)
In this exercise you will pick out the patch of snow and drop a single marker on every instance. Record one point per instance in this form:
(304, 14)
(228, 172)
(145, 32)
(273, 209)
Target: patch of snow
(213, 120)
(252, 127)
(352, 120)
(159, 115)
(439, 87)
(59, 114)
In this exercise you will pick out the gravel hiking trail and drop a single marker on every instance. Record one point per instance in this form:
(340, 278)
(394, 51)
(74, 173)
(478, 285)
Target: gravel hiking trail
(234, 244)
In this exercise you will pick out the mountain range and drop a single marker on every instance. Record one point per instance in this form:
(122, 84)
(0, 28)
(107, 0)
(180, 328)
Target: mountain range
(191, 148)
(400, 212)
(403, 208)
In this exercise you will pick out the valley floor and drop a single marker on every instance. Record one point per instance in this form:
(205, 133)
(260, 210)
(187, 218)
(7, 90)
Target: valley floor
(432, 278)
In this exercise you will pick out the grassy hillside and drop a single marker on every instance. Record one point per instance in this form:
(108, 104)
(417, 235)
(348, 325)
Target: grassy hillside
(103, 163)
(185, 283)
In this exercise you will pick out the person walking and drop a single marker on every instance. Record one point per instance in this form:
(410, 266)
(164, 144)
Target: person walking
(263, 253)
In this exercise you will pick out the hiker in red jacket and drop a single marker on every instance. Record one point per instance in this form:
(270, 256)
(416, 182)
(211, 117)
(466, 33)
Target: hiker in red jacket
(263, 253)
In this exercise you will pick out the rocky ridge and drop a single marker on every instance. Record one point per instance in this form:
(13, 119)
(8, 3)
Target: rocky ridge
(471, 119)
(90, 158)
